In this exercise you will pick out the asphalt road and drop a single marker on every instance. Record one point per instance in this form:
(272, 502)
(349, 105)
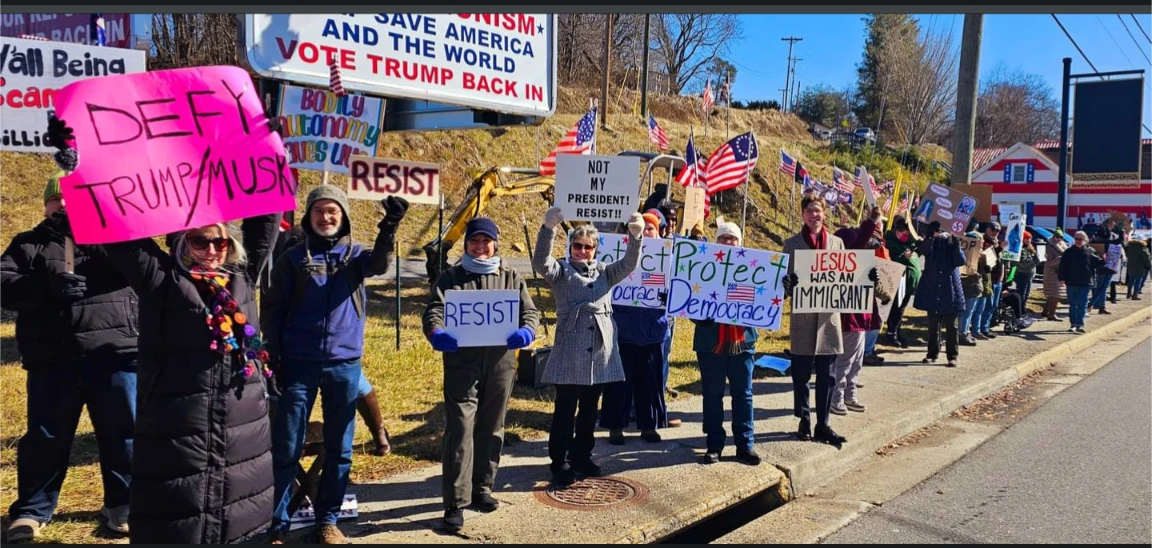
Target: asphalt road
(1076, 470)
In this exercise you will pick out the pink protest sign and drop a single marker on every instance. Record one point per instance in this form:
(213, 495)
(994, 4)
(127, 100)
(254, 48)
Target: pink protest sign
(170, 150)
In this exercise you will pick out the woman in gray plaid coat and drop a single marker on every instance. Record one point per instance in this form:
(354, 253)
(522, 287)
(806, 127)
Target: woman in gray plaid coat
(584, 356)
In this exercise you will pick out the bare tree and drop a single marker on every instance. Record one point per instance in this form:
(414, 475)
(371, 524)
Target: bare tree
(193, 39)
(1015, 107)
(686, 43)
(920, 77)
(580, 45)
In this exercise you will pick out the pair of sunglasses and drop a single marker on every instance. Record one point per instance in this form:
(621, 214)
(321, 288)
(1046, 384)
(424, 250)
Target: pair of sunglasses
(201, 243)
(583, 247)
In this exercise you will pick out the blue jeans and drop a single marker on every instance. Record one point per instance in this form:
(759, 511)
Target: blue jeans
(1100, 290)
(970, 310)
(990, 305)
(56, 395)
(301, 380)
(1077, 304)
(737, 371)
(364, 388)
(1136, 284)
(870, 342)
(1024, 288)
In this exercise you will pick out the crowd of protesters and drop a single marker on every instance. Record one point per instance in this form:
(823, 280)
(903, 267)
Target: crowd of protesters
(200, 399)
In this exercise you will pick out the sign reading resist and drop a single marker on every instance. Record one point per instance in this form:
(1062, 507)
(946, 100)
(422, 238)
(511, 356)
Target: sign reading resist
(597, 188)
(377, 178)
(481, 317)
(833, 281)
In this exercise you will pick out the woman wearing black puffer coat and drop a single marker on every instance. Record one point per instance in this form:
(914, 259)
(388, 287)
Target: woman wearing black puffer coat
(202, 460)
(940, 293)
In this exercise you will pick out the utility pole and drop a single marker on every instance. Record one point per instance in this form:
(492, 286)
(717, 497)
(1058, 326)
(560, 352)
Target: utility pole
(795, 84)
(644, 77)
(788, 71)
(607, 72)
(783, 99)
(966, 94)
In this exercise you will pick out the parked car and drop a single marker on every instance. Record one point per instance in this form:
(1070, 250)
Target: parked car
(865, 134)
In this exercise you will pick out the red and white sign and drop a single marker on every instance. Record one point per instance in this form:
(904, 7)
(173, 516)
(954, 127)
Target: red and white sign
(68, 27)
(377, 178)
(502, 62)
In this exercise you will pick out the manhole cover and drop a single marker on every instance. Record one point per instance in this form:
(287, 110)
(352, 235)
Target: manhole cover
(591, 494)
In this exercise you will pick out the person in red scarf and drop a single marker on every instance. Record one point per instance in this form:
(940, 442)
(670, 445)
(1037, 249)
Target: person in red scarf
(817, 338)
(855, 326)
(724, 353)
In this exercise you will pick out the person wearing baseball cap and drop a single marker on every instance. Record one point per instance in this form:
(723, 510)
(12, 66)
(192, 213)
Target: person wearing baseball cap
(477, 380)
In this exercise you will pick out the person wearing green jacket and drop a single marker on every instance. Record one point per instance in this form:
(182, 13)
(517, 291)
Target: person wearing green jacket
(1026, 269)
(1139, 263)
(902, 242)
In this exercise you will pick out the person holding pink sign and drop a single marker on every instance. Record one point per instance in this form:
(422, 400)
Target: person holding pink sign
(202, 458)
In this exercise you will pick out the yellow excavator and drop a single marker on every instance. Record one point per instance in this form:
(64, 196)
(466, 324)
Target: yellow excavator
(497, 182)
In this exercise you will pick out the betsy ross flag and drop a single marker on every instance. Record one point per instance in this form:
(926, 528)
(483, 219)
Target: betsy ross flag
(651, 279)
(578, 140)
(707, 100)
(741, 293)
(840, 181)
(335, 83)
(656, 134)
(730, 165)
(787, 164)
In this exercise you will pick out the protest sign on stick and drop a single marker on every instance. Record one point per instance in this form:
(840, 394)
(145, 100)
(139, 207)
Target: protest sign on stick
(597, 188)
(1113, 258)
(170, 150)
(890, 274)
(971, 246)
(693, 208)
(1013, 221)
(481, 317)
(731, 285)
(951, 208)
(322, 131)
(833, 281)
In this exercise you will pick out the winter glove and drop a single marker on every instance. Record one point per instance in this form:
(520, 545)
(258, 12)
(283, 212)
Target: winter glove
(69, 287)
(553, 217)
(59, 134)
(395, 208)
(521, 338)
(663, 296)
(635, 225)
(873, 276)
(790, 282)
(275, 126)
(443, 342)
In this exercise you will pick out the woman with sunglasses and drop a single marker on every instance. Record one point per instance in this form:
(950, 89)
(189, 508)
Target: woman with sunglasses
(586, 356)
(202, 460)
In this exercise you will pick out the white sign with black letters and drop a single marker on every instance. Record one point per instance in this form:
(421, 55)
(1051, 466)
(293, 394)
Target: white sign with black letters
(597, 188)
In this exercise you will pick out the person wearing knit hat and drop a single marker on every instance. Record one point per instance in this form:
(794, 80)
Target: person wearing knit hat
(724, 354)
(642, 355)
(314, 317)
(477, 380)
(76, 332)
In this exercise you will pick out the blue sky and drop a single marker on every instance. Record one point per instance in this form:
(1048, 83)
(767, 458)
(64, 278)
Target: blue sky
(834, 44)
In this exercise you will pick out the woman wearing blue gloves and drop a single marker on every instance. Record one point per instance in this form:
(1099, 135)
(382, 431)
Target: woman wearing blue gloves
(477, 380)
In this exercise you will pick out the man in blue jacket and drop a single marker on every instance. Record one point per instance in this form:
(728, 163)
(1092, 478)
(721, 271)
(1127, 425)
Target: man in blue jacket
(313, 320)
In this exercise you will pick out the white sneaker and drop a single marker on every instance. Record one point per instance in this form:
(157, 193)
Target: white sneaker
(23, 529)
(116, 519)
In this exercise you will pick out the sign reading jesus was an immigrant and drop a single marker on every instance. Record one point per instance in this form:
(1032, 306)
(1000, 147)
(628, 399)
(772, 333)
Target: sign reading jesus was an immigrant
(731, 285)
(833, 281)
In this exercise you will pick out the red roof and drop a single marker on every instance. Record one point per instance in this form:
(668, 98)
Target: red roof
(981, 156)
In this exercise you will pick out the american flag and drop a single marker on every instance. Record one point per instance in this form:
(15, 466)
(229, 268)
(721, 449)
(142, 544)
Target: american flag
(730, 165)
(99, 35)
(707, 100)
(840, 181)
(787, 164)
(860, 172)
(726, 93)
(652, 279)
(335, 84)
(690, 175)
(742, 293)
(578, 140)
(656, 134)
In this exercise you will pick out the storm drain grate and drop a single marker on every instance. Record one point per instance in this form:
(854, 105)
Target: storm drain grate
(593, 494)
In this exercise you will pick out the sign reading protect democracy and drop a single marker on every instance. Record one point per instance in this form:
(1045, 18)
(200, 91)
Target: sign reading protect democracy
(643, 287)
(597, 188)
(731, 285)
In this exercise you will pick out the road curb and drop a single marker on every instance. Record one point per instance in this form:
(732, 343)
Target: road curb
(816, 470)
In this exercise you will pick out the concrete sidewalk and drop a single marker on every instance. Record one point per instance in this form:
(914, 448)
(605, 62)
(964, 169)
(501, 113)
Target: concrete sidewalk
(902, 396)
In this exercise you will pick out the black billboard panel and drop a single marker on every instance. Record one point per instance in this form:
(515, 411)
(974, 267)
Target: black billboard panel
(1107, 127)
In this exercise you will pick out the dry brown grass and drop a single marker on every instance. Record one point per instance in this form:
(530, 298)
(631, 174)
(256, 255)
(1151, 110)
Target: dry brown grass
(409, 381)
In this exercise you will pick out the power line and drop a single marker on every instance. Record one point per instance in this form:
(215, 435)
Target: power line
(1130, 35)
(1137, 21)
(1110, 35)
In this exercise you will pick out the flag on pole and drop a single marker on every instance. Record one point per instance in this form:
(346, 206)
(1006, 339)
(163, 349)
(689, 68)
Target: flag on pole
(690, 175)
(840, 181)
(707, 100)
(730, 165)
(656, 134)
(99, 37)
(801, 173)
(787, 164)
(578, 140)
(335, 83)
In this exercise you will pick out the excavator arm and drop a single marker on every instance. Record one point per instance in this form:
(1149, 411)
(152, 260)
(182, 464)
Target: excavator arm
(485, 188)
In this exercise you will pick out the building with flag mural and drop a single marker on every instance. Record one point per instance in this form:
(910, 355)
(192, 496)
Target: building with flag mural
(1028, 175)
